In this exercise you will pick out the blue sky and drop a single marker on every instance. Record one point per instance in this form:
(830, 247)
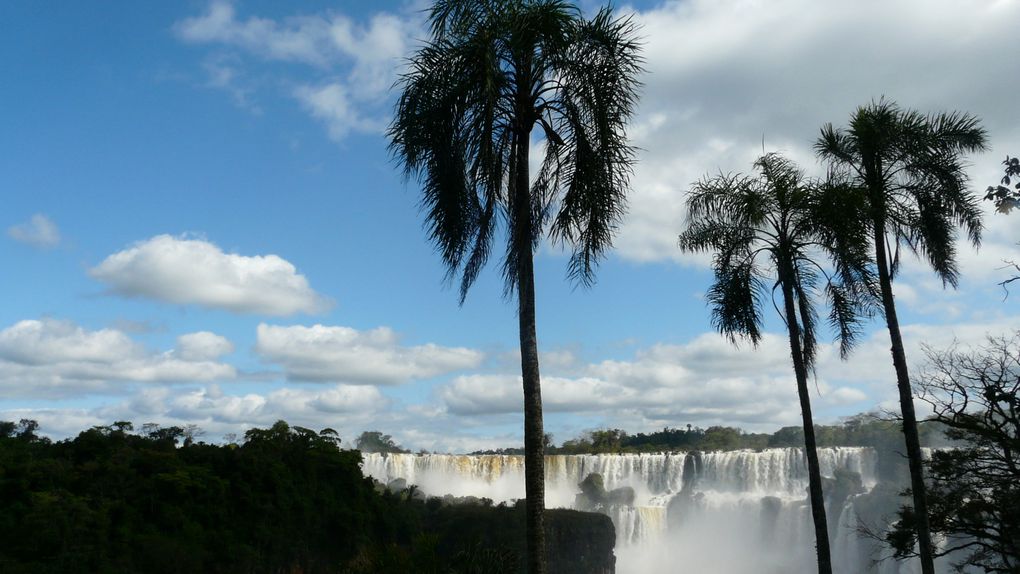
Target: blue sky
(203, 224)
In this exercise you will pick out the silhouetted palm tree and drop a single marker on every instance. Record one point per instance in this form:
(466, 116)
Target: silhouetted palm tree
(492, 71)
(775, 228)
(907, 170)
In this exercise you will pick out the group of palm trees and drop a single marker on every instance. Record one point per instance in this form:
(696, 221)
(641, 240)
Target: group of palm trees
(494, 70)
(896, 178)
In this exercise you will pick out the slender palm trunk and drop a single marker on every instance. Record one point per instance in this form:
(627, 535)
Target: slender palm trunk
(810, 445)
(534, 449)
(910, 435)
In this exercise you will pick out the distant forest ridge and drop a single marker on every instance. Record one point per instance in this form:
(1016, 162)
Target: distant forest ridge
(868, 429)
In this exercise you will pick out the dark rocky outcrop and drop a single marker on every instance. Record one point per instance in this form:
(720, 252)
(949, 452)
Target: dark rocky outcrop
(576, 542)
(594, 495)
(623, 496)
(687, 500)
(580, 542)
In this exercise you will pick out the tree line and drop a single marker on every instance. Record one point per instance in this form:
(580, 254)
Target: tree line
(867, 430)
(282, 500)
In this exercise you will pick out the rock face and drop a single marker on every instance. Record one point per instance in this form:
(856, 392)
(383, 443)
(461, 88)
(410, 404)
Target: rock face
(576, 542)
(593, 491)
(580, 542)
(623, 496)
(682, 505)
(594, 495)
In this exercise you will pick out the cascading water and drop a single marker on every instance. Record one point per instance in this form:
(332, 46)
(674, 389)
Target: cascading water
(731, 512)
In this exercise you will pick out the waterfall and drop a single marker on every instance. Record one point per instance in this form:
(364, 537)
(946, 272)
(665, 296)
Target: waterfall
(734, 512)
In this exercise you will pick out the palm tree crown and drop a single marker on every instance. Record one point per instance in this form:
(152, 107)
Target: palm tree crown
(909, 169)
(493, 70)
(776, 229)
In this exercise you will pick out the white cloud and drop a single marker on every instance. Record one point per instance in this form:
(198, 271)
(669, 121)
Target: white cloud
(558, 360)
(189, 271)
(203, 346)
(38, 231)
(725, 76)
(323, 40)
(300, 39)
(51, 358)
(342, 407)
(342, 354)
(706, 381)
(703, 382)
(34, 342)
(710, 381)
(332, 104)
(871, 361)
(286, 403)
(359, 60)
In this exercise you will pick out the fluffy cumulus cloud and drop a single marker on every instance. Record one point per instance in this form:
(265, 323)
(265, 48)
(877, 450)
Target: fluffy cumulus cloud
(356, 61)
(203, 346)
(52, 358)
(727, 77)
(211, 405)
(333, 104)
(709, 381)
(190, 271)
(706, 381)
(343, 407)
(342, 354)
(39, 231)
(725, 80)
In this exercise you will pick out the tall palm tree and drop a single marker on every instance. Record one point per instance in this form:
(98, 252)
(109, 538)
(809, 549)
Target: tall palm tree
(772, 229)
(492, 71)
(907, 169)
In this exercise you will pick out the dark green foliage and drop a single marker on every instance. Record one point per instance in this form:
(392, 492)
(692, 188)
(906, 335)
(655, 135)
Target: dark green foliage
(974, 489)
(1004, 197)
(287, 500)
(861, 430)
(375, 441)
(109, 501)
(907, 170)
(1005, 200)
(485, 539)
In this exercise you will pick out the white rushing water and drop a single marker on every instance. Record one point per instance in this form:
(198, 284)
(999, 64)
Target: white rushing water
(735, 512)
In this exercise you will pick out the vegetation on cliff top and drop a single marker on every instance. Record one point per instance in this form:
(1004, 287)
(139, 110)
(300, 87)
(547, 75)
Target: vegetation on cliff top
(285, 500)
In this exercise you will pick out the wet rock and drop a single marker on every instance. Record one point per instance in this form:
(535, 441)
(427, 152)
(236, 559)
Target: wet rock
(623, 496)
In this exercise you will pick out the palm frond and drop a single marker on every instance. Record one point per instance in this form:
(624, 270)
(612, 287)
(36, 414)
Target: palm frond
(735, 299)
(596, 95)
(911, 166)
(739, 218)
(845, 317)
(803, 285)
(492, 71)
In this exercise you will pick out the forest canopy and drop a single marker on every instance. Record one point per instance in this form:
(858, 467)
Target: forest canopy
(286, 499)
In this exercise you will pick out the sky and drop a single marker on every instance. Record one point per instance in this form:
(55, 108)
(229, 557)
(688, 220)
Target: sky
(203, 225)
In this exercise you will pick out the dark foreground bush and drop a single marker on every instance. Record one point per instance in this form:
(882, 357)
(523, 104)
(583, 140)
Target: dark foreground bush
(287, 500)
